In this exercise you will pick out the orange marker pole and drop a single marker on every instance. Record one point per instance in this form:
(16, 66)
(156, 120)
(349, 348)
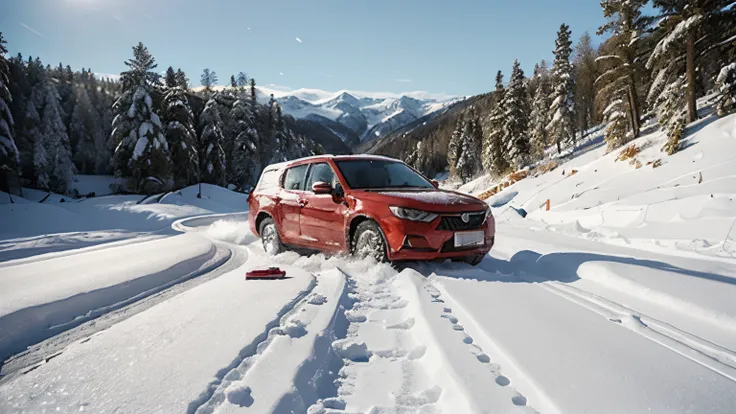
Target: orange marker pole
(547, 204)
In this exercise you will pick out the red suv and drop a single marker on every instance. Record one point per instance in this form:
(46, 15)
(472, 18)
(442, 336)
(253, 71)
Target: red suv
(368, 206)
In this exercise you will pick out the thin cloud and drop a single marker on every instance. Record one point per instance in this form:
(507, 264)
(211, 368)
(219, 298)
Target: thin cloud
(148, 16)
(32, 29)
(298, 40)
(281, 73)
(249, 29)
(118, 18)
(404, 80)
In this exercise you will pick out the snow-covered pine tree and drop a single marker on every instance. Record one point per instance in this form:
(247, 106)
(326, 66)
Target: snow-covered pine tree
(85, 131)
(246, 165)
(8, 149)
(211, 155)
(586, 72)
(454, 147)
(622, 69)
(560, 128)
(476, 143)
(141, 150)
(59, 170)
(539, 117)
(516, 118)
(181, 136)
(726, 84)
(617, 132)
(253, 92)
(670, 107)
(494, 156)
(468, 163)
(694, 28)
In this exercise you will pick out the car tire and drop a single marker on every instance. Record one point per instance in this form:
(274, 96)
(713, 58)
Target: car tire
(368, 241)
(270, 238)
(474, 260)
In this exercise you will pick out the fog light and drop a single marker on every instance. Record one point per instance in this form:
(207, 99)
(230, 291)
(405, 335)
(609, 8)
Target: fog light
(416, 242)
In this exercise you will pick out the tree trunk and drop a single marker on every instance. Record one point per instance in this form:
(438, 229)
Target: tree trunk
(692, 111)
(634, 105)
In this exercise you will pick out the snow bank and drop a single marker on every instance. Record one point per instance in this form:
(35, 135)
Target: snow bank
(41, 298)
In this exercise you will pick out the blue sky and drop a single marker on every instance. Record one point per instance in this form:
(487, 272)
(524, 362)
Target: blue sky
(440, 46)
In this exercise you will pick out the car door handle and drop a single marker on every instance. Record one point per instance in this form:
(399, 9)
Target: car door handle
(302, 202)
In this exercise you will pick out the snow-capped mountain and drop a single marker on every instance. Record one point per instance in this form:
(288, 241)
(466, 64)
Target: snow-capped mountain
(368, 115)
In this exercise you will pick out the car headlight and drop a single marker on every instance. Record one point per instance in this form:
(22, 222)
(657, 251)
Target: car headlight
(412, 214)
(489, 212)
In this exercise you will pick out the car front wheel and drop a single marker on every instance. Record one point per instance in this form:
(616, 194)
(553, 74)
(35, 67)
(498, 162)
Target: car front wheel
(368, 242)
(270, 238)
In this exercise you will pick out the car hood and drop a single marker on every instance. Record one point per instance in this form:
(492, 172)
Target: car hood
(430, 200)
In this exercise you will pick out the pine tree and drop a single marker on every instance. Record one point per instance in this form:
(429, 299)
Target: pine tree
(233, 82)
(586, 72)
(8, 149)
(617, 132)
(181, 79)
(86, 132)
(181, 136)
(494, 152)
(242, 82)
(170, 80)
(208, 80)
(141, 151)
(516, 118)
(454, 147)
(726, 84)
(58, 170)
(212, 155)
(246, 166)
(561, 125)
(253, 92)
(622, 70)
(689, 29)
(539, 117)
(672, 115)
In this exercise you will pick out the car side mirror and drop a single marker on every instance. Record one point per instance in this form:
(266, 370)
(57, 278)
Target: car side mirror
(338, 194)
(321, 187)
(435, 183)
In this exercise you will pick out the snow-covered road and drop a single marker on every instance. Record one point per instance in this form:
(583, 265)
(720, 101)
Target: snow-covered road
(547, 323)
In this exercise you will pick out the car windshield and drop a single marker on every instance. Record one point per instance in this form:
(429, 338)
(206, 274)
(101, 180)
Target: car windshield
(370, 174)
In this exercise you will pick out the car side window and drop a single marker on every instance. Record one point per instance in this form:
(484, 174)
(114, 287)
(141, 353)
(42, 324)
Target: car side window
(321, 172)
(294, 178)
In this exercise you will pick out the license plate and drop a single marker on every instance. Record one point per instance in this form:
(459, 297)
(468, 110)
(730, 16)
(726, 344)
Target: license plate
(469, 238)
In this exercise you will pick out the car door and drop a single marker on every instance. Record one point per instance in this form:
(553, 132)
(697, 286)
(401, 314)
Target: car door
(322, 220)
(292, 194)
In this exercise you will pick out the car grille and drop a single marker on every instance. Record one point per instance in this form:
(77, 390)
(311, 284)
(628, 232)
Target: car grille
(456, 223)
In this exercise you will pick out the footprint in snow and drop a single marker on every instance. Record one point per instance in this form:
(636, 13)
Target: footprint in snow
(240, 395)
(407, 324)
(317, 299)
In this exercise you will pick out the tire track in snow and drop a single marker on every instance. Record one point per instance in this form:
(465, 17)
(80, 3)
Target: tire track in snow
(698, 350)
(214, 395)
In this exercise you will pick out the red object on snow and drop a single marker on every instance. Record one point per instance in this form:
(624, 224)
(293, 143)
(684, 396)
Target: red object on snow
(270, 273)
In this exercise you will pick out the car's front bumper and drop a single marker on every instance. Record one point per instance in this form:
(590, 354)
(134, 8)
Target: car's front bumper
(436, 244)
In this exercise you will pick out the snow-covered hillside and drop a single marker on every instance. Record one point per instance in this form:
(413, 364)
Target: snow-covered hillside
(619, 299)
